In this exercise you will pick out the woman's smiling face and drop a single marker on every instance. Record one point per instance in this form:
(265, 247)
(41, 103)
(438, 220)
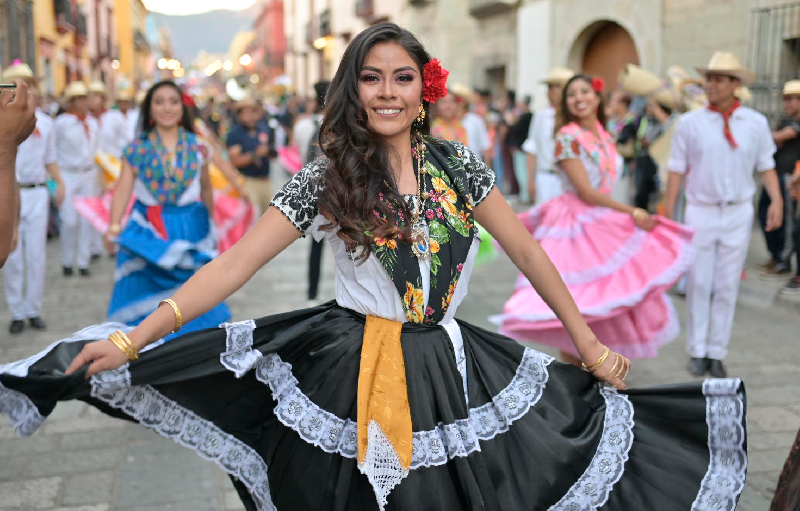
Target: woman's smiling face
(390, 90)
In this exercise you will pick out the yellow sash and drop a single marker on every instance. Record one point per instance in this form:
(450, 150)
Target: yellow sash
(383, 410)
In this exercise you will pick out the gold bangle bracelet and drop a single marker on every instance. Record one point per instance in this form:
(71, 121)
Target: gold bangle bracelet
(177, 310)
(613, 368)
(114, 229)
(599, 363)
(125, 345)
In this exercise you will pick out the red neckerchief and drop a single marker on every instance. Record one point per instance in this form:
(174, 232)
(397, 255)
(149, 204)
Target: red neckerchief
(82, 118)
(726, 116)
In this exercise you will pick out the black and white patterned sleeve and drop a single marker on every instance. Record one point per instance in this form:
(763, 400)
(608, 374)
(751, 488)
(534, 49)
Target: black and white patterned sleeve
(297, 199)
(480, 177)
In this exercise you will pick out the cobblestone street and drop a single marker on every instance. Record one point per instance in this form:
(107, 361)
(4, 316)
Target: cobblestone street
(81, 460)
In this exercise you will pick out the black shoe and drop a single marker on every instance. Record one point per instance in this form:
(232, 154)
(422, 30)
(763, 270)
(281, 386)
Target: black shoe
(716, 369)
(16, 326)
(94, 257)
(698, 366)
(37, 323)
(67, 271)
(84, 272)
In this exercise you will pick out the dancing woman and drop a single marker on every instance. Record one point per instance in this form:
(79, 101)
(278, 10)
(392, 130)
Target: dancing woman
(381, 398)
(616, 260)
(169, 235)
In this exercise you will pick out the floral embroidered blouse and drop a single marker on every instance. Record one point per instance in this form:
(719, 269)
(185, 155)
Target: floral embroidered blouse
(392, 283)
(164, 178)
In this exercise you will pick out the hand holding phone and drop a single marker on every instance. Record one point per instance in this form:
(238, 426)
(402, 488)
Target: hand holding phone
(17, 113)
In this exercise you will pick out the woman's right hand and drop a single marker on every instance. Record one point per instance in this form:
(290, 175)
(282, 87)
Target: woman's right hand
(103, 356)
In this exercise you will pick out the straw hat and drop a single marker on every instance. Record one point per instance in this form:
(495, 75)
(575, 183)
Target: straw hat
(725, 63)
(98, 87)
(743, 94)
(638, 82)
(558, 76)
(139, 96)
(791, 88)
(462, 91)
(75, 90)
(246, 102)
(22, 71)
(124, 95)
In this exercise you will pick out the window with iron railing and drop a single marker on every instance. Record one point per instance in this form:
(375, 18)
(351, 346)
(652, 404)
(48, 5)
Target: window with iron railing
(365, 8)
(12, 19)
(774, 55)
(30, 44)
(325, 28)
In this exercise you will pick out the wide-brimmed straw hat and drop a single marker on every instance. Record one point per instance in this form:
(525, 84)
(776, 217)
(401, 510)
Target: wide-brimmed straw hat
(75, 90)
(558, 76)
(246, 102)
(462, 91)
(124, 95)
(791, 88)
(726, 63)
(22, 71)
(98, 87)
(639, 82)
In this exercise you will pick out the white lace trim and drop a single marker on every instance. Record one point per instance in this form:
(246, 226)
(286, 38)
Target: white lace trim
(151, 409)
(432, 447)
(239, 356)
(667, 277)
(23, 414)
(592, 489)
(381, 464)
(727, 467)
(631, 248)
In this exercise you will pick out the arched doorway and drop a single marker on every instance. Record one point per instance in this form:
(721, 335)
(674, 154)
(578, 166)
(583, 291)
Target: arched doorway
(602, 49)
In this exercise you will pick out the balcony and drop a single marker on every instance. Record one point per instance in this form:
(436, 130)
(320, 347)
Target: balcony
(325, 29)
(486, 8)
(80, 29)
(65, 21)
(365, 8)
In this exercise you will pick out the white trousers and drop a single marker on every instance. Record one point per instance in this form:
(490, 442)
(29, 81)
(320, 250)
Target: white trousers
(721, 241)
(548, 186)
(76, 232)
(26, 264)
(520, 159)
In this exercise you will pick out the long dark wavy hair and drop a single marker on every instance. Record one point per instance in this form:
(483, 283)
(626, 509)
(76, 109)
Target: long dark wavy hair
(360, 160)
(564, 117)
(145, 117)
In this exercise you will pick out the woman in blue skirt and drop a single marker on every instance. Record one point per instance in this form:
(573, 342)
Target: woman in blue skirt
(170, 233)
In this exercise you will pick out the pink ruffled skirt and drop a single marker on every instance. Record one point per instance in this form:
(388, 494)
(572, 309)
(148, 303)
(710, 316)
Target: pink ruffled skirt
(617, 273)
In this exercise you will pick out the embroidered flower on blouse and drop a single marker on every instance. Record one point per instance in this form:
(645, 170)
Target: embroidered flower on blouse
(434, 81)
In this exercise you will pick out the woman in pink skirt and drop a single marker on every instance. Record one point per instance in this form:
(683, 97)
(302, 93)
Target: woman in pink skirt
(618, 261)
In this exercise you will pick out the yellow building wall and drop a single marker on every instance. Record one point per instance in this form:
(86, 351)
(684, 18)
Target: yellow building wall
(122, 20)
(44, 25)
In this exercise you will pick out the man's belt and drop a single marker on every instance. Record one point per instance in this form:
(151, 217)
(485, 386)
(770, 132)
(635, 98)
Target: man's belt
(32, 185)
(720, 203)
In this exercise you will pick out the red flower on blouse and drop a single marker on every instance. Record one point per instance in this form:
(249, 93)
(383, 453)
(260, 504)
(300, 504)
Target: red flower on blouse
(434, 81)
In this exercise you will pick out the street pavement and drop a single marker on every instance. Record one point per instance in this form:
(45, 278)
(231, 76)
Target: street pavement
(80, 460)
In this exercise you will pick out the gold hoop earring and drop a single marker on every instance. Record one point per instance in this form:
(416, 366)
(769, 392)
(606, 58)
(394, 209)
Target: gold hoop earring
(420, 116)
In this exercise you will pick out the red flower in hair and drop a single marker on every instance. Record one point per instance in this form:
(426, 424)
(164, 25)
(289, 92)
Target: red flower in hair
(434, 81)
(598, 85)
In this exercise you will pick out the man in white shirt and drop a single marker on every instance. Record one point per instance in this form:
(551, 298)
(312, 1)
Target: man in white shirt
(716, 150)
(76, 134)
(36, 156)
(131, 114)
(543, 182)
(114, 132)
(473, 123)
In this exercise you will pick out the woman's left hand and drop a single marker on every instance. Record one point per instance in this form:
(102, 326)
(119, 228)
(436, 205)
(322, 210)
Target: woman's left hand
(614, 367)
(643, 219)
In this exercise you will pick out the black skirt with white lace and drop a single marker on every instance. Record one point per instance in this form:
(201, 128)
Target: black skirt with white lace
(273, 403)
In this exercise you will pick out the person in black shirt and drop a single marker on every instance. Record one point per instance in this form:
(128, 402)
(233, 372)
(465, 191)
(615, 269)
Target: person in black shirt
(250, 146)
(788, 142)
